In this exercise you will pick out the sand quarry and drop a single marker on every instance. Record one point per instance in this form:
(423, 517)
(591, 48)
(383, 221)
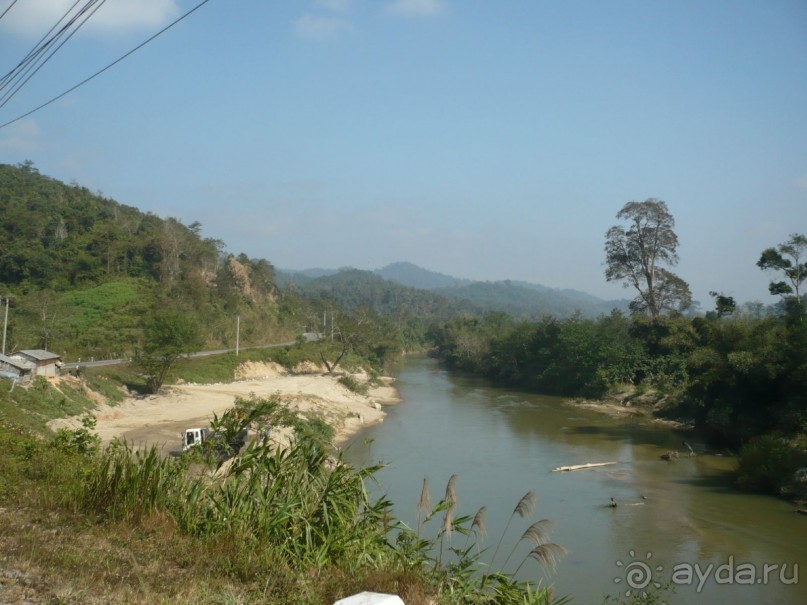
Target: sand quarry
(160, 419)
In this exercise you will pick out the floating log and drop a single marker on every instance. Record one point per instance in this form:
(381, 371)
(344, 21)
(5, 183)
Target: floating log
(578, 467)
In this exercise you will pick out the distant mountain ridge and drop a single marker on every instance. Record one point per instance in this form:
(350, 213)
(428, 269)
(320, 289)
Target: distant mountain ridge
(518, 298)
(408, 274)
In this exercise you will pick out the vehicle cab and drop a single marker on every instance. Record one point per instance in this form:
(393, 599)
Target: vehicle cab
(193, 437)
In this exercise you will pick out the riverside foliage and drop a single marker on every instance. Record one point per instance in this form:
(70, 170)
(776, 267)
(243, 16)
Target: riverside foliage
(741, 378)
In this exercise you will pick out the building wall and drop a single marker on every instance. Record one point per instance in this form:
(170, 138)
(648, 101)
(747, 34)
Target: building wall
(46, 368)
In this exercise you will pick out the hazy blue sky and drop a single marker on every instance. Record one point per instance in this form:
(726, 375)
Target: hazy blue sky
(484, 139)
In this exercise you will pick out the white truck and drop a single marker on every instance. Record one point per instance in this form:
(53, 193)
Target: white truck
(197, 436)
(193, 437)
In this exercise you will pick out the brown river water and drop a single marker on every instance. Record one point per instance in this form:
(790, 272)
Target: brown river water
(679, 524)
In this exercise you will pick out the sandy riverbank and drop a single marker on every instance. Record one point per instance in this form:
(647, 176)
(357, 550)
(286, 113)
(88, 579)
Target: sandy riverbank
(624, 405)
(160, 419)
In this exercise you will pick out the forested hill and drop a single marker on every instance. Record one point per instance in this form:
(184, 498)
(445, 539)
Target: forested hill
(84, 272)
(408, 274)
(439, 295)
(353, 288)
(531, 301)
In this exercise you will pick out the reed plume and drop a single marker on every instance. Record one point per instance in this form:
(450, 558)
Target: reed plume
(537, 534)
(526, 505)
(479, 521)
(523, 509)
(448, 521)
(478, 528)
(451, 492)
(450, 503)
(545, 554)
(424, 504)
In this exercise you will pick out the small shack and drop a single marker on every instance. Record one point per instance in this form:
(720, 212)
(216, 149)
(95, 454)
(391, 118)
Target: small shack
(45, 363)
(15, 368)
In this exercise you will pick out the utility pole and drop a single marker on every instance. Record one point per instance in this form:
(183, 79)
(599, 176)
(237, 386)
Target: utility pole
(5, 323)
(237, 334)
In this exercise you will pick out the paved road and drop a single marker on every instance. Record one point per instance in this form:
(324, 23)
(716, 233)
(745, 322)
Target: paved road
(115, 362)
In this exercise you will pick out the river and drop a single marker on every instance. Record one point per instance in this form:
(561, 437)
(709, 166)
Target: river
(679, 523)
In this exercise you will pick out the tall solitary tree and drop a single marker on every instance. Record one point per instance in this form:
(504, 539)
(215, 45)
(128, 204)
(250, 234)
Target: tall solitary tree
(168, 336)
(791, 259)
(635, 253)
(724, 305)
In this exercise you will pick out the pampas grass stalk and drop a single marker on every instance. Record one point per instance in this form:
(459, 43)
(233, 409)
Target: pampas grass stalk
(450, 501)
(424, 504)
(478, 527)
(546, 554)
(537, 534)
(523, 509)
(451, 493)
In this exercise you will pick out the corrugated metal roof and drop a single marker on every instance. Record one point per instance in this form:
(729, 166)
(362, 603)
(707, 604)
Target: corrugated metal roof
(39, 354)
(16, 362)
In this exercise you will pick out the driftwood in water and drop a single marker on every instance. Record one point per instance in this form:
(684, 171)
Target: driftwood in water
(578, 467)
(670, 455)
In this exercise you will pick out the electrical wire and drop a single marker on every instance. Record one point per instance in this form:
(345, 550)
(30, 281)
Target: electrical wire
(92, 4)
(103, 69)
(38, 47)
(13, 2)
(41, 47)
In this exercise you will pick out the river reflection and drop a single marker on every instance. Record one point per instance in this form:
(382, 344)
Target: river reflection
(502, 443)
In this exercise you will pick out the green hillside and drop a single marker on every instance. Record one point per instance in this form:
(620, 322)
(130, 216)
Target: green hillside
(85, 272)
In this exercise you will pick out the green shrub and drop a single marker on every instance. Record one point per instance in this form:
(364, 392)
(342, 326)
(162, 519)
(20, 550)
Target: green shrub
(768, 463)
(78, 441)
(362, 388)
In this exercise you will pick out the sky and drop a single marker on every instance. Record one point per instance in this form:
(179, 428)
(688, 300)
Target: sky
(485, 140)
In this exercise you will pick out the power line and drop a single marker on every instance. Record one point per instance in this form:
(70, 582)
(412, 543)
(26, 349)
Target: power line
(13, 2)
(38, 47)
(85, 10)
(102, 70)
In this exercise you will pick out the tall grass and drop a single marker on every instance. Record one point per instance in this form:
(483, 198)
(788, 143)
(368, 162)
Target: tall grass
(128, 485)
(468, 575)
(298, 501)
